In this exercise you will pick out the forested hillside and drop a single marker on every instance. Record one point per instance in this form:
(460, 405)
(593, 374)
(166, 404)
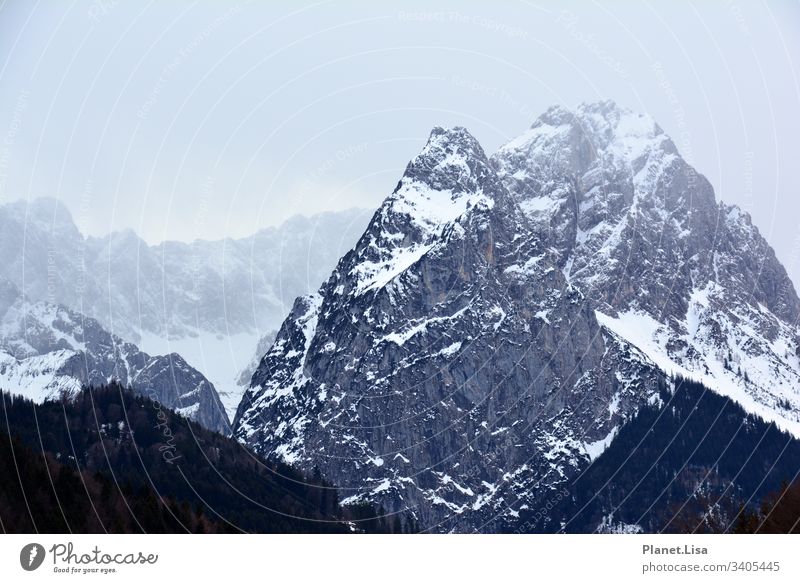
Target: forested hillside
(109, 460)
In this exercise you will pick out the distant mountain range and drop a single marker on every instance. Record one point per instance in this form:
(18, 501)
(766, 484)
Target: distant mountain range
(210, 301)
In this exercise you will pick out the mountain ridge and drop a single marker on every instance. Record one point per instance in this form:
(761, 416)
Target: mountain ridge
(49, 352)
(44, 247)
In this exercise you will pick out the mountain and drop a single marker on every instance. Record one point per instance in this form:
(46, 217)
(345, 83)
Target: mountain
(502, 319)
(210, 301)
(688, 280)
(113, 461)
(246, 375)
(446, 367)
(48, 351)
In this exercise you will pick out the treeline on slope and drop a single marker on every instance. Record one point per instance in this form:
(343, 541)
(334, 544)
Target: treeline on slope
(110, 460)
(696, 462)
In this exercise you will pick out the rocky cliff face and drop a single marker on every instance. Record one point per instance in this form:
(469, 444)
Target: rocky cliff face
(47, 351)
(688, 280)
(447, 369)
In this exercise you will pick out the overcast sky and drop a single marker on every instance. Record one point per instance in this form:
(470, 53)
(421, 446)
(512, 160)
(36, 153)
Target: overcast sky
(188, 120)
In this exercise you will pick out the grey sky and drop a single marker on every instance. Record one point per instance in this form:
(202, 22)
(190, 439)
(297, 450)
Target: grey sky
(211, 119)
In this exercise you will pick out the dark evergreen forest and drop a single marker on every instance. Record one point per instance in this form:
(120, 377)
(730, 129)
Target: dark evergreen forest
(696, 462)
(112, 461)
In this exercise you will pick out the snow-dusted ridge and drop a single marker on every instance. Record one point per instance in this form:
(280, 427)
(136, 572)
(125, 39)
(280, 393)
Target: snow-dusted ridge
(440, 185)
(49, 352)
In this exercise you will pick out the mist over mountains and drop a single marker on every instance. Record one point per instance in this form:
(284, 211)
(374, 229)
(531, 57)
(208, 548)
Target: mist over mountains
(210, 301)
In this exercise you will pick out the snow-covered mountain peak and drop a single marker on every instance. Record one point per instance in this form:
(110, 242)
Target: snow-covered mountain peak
(627, 133)
(445, 333)
(604, 120)
(639, 232)
(451, 161)
(562, 141)
(450, 143)
(588, 177)
(445, 182)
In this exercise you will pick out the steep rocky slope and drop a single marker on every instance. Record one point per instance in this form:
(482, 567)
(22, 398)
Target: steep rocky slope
(687, 279)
